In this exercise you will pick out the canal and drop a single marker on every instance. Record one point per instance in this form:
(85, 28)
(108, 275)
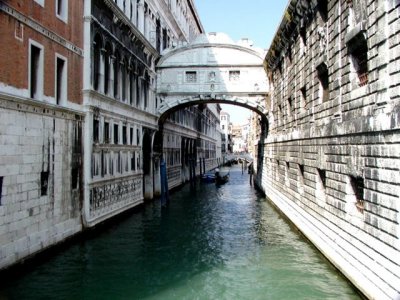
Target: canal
(214, 242)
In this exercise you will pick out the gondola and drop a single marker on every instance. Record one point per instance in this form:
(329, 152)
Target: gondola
(221, 176)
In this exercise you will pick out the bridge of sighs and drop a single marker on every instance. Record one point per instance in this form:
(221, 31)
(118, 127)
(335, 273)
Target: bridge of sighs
(212, 69)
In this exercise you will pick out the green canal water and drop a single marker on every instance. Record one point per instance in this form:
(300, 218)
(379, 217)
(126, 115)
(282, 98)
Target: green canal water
(214, 242)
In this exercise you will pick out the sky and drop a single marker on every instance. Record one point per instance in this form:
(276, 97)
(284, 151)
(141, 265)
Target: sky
(256, 20)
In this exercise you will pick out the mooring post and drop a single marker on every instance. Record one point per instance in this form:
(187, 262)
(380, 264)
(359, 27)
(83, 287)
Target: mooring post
(164, 183)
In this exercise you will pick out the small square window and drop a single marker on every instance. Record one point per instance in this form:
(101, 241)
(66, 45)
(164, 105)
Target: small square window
(191, 76)
(234, 75)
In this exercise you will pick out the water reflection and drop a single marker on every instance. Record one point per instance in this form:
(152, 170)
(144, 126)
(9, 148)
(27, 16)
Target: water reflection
(213, 242)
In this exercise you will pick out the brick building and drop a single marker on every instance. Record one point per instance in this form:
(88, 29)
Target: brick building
(79, 128)
(331, 158)
(41, 61)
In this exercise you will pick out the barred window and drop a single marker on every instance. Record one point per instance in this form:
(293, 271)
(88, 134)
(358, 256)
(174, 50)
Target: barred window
(234, 75)
(191, 76)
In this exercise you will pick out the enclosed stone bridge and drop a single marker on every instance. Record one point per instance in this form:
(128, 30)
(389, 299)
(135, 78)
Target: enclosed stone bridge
(212, 69)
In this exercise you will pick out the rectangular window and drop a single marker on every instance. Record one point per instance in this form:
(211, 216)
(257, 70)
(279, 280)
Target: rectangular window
(35, 70)
(119, 170)
(62, 9)
(61, 80)
(40, 2)
(191, 76)
(301, 171)
(322, 8)
(234, 75)
(1, 187)
(303, 99)
(74, 178)
(124, 135)
(289, 104)
(358, 50)
(137, 137)
(301, 174)
(323, 76)
(116, 133)
(106, 132)
(131, 135)
(95, 131)
(133, 161)
(44, 183)
(357, 184)
(322, 178)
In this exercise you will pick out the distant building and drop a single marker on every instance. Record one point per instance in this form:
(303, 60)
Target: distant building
(226, 140)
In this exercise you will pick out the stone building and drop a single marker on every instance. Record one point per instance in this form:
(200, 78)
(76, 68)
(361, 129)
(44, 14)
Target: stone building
(124, 40)
(225, 122)
(210, 70)
(331, 158)
(41, 123)
(80, 135)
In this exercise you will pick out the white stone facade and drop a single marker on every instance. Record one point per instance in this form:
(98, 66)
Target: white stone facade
(40, 162)
(79, 147)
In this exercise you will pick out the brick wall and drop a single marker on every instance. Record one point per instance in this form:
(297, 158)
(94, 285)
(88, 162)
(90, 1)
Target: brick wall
(16, 31)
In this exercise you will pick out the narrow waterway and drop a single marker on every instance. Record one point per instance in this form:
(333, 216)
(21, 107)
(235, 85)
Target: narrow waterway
(216, 242)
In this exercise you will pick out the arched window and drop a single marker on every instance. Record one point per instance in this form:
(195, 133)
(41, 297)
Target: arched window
(123, 71)
(107, 68)
(132, 82)
(97, 46)
(117, 68)
(146, 90)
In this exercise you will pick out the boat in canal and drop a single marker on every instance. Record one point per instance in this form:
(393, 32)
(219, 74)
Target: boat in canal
(208, 177)
(221, 176)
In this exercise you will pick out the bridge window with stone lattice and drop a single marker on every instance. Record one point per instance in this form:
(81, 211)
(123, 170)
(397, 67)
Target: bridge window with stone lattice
(191, 76)
(234, 75)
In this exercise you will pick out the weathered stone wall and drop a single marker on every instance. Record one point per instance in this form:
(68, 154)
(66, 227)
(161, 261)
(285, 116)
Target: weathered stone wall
(332, 158)
(40, 162)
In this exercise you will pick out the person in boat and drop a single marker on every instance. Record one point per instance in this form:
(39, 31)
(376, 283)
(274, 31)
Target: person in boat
(217, 172)
(251, 171)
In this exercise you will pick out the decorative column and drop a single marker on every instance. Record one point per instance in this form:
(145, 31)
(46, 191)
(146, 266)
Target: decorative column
(140, 21)
(101, 70)
(111, 77)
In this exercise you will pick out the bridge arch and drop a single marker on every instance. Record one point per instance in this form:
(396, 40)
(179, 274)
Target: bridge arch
(212, 69)
(166, 108)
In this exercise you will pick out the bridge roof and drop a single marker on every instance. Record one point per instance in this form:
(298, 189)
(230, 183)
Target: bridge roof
(222, 45)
